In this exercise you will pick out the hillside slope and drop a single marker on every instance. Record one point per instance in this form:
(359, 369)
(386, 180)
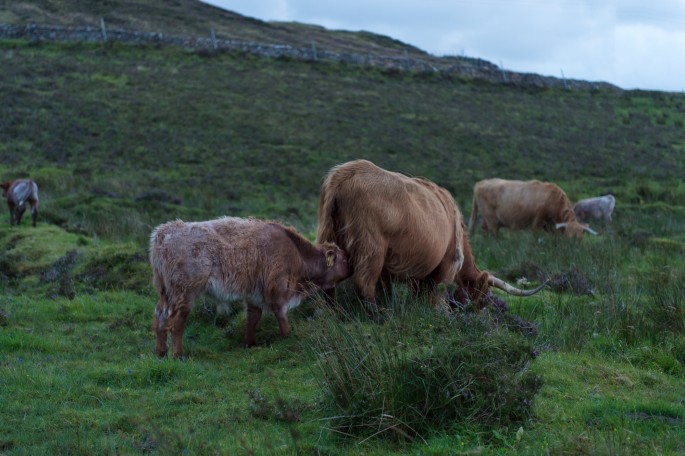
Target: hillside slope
(191, 21)
(195, 18)
(122, 137)
(119, 135)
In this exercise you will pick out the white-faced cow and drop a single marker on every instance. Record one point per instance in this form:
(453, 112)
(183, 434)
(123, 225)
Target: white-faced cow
(18, 193)
(524, 205)
(599, 208)
(269, 266)
(402, 229)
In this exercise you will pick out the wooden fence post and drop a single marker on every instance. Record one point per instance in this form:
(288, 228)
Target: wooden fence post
(563, 78)
(103, 29)
(214, 40)
(504, 74)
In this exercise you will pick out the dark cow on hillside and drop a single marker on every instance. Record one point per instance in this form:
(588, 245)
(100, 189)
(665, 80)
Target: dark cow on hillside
(524, 205)
(400, 228)
(269, 266)
(599, 208)
(18, 193)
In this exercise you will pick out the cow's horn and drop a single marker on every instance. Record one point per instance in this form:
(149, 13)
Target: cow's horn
(561, 225)
(590, 230)
(502, 285)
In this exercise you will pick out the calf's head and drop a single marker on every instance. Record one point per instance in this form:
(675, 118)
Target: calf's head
(334, 269)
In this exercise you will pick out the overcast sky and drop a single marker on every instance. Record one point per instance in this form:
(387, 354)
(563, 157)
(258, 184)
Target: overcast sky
(630, 43)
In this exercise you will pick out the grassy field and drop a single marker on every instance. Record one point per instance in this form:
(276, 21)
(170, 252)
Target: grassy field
(122, 138)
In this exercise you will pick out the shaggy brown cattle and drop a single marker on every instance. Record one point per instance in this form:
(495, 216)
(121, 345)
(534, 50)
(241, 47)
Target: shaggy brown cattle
(268, 265)
(18, 193)
(399, 228)
(523, 205)
(599, 208)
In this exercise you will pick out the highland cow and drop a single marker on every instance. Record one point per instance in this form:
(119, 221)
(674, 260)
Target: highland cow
(399, 228)
(522, 205)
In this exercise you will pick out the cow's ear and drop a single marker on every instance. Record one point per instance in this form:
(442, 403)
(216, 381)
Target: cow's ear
(330, 258)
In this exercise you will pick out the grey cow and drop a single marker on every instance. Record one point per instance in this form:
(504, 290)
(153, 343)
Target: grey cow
(599, 208)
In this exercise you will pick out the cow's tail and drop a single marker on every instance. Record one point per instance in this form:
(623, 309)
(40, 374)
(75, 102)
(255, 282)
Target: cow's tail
(158, 274)
(33, 193)
(327, 210)
(474, 215)
(33, 198)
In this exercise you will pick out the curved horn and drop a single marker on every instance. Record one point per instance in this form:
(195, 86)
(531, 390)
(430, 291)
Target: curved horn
(502, 285)
(561, 225)
(590, 230)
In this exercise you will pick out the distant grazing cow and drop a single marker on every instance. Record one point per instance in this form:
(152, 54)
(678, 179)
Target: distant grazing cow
(268, 265)
(599, 208)
(402, 229)
(18, 193)
(524, 205)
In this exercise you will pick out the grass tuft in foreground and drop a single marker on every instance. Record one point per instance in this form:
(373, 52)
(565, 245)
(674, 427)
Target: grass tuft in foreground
(423, 372)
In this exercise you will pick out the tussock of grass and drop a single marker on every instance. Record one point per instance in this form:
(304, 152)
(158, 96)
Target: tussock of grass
(423, 372)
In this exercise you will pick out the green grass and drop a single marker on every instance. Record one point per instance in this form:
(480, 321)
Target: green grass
(122, 138)
(79, 375)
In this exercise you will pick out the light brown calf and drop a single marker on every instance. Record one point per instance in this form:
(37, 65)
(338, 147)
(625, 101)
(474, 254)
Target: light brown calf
(269, 266)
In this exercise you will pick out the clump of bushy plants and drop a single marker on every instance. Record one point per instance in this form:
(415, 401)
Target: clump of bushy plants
(423, 371)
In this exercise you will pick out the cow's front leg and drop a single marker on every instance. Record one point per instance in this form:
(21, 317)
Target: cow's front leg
(159, 325)
(254, 313)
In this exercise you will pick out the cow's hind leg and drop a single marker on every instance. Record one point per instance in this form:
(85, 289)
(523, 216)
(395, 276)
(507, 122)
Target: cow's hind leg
(177, 323)
(160, 326)
(254, 314)
(366, 277)
(19, 213)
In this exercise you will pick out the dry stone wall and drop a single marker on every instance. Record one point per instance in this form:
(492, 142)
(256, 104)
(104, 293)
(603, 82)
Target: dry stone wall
(458, 66)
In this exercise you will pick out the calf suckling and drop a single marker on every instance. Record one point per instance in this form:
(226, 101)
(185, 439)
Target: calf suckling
(269, 266)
